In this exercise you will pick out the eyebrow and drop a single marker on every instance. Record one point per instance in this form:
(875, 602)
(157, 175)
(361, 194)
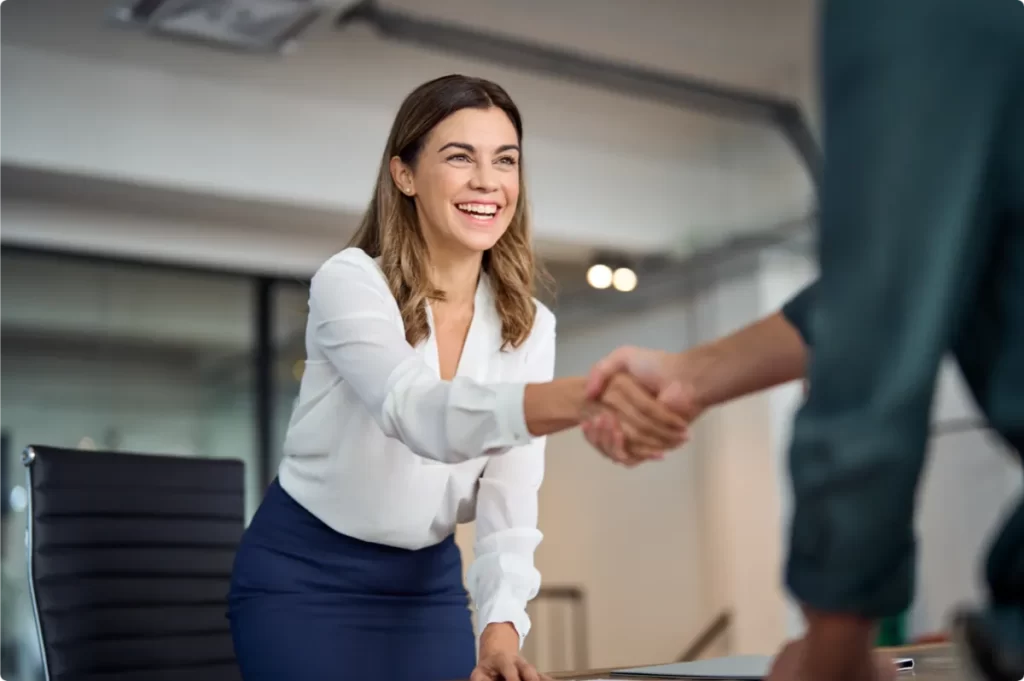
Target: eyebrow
(471, 149)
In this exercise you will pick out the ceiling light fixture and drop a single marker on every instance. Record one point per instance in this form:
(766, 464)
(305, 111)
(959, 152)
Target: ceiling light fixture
(246, 25)
(611, 270)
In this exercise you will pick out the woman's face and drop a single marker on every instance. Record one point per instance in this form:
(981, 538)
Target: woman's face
(465, 181)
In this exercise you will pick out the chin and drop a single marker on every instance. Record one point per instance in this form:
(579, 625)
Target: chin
(480, 246)
(479, 241)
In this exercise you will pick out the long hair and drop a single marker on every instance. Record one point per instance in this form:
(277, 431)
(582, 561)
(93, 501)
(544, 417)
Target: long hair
(390, 229)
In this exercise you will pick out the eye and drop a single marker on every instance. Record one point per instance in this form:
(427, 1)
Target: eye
(462, 158)
(508, 160)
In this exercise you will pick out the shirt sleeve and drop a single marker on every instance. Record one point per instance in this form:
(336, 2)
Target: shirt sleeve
(355, 323)
(502, 578)
(797, 311)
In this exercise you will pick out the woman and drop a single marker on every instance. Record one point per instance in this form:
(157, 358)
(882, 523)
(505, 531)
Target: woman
(427, 392)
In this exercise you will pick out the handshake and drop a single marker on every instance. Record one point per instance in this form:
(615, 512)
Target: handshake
(641, 403)
(638, 403)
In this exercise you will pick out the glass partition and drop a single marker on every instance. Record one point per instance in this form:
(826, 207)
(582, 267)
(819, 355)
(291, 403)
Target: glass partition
(105, 355)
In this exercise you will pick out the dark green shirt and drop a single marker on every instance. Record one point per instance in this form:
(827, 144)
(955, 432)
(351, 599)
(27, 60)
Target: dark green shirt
(922, 254)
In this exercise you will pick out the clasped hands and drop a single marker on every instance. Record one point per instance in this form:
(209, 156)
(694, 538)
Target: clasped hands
(639, 405)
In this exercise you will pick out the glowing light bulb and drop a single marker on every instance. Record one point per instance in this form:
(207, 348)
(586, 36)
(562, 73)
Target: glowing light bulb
(624, 279)
(599, 276)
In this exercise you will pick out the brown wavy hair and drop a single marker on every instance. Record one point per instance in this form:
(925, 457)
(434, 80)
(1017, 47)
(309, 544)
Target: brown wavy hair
(390, 229)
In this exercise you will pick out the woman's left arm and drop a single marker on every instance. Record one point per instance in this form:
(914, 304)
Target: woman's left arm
(502, 578)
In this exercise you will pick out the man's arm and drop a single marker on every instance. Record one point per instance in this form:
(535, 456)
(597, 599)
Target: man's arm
(763, 354)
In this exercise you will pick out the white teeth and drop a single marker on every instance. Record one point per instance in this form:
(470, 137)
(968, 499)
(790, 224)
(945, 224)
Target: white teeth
(478, 208)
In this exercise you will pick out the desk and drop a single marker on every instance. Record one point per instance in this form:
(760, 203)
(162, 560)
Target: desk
(931, 663)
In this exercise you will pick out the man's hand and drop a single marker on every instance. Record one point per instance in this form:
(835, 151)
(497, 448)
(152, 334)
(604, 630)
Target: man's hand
(654, 369)
(641, 426)
(836, 646)
(666, 376)
(499, 657)
(791, 664)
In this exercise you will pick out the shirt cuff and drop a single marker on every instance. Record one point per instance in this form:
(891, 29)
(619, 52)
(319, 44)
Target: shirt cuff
(505, 609)
(852, 546)
(798, 309)
(511, 414)
(501, 583)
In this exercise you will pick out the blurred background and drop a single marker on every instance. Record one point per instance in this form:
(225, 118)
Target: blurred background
(174, 171)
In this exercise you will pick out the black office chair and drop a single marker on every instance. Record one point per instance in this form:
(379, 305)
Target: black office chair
(129, 561)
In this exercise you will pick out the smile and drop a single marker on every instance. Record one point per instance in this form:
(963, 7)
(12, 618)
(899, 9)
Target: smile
(481, 212)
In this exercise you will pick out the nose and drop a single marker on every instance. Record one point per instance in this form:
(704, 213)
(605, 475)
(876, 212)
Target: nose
(484, 179)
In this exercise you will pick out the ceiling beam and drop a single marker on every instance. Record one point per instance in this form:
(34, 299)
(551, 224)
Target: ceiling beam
(681, 91)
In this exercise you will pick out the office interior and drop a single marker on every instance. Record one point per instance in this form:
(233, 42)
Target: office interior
(167, 197)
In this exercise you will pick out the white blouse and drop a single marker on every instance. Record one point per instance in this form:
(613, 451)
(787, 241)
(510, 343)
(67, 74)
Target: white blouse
(381, 449)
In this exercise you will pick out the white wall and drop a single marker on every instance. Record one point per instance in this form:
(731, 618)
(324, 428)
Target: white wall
(969, 483)
(741, 488)
(635, 540)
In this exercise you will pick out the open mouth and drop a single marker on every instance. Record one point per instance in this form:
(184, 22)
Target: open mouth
(480, 212)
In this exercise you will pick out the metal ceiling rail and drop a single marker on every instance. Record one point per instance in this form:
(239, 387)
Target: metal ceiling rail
(681, 91)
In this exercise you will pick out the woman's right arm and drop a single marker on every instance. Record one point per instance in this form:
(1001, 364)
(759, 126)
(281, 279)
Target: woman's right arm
(355, 323)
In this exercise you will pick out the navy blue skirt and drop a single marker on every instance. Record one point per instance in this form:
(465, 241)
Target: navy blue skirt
(308, 603)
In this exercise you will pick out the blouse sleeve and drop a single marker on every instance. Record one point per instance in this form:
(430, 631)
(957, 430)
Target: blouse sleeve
(503, 579)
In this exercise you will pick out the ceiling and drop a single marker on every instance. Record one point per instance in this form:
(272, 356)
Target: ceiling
(764, 46)
(760, 46)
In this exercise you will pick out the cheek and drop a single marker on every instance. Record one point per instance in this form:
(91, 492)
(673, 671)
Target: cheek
(511, 187)
(437, 188)
(449, 183)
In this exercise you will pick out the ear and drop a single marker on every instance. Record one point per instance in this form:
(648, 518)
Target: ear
(402, 176)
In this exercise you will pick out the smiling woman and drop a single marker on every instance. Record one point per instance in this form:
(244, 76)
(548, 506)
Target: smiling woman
(451, 183)
(425, 399)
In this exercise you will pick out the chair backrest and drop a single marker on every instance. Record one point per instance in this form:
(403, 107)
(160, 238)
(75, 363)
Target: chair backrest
(130, 561)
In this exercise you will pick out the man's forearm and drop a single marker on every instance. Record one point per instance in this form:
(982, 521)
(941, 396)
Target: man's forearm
(765, 354)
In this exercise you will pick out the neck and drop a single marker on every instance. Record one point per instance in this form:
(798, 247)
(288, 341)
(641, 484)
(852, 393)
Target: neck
(456, 275)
